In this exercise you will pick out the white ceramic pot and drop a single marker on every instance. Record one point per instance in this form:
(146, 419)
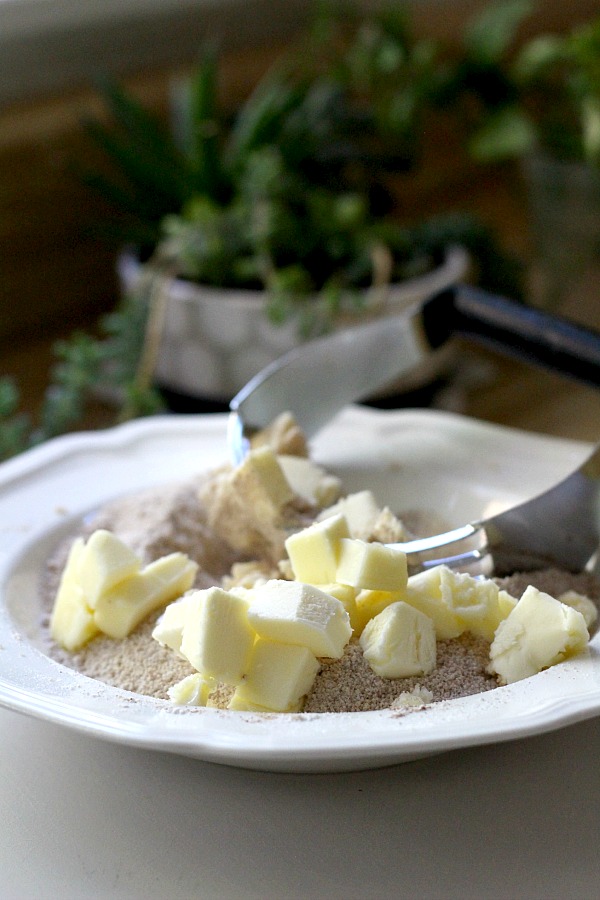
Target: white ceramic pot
(214, 340)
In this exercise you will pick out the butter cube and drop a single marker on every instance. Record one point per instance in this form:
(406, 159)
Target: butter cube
(278, 677)
(105, 562)
(582, 604)
(168, 630)
(538, 633)
(346, 594)
(477, 604)
(506, 603)
(309, 481)
(314, 551)
(122, 608)
(217, 637)
(370, 603)
(360, 510)
(301, 614)
(371, 565)
(400, 642)
(457, 602)
(72, 622)
(238, 703)
(260, 480)
(193, 690)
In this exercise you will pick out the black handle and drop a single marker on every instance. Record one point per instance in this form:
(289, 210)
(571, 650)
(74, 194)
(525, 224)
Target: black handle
(521, 331)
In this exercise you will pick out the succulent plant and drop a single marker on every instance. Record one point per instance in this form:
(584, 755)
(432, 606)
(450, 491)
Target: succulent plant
(293, 192)
(519, 97)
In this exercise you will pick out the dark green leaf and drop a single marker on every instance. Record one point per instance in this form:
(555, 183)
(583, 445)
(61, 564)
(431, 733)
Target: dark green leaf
(509, 133)
(139, 169)
(491, 33)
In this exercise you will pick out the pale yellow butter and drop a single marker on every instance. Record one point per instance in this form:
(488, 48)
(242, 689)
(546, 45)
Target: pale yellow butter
(430, 592)
(582, 604)
(260, 480)
(310, 481)
(104, 589)
(360, 511)
(506, 603)
(371, 565)
(370, 603)
(278, 677)
(239, 703)
(478, 604)
(105, 561)
(400, 642)
(168, 630)
(193, 690)
(295, 613)
(418, 697)
(72, 622)
(538, 633)
(457, 602)
(121, 609)
(314, 551)
(217, 638)
(346, 594)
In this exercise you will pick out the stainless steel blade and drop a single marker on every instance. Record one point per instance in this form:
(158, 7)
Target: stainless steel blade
(316, 379)
(560, 527)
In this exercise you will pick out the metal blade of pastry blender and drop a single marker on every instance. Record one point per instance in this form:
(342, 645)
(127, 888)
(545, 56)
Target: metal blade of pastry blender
(559, 527)
(315, 380)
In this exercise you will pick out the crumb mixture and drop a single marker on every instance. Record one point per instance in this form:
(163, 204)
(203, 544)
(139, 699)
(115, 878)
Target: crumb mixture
(196, 518)
(141, 665)
(350, 684)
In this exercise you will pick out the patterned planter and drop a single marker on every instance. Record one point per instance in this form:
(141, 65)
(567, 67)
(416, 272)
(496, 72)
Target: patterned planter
(214, 340)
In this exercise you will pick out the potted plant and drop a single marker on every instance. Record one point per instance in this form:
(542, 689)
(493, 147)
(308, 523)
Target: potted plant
(538, 101)
(277, 223)
(257, 228)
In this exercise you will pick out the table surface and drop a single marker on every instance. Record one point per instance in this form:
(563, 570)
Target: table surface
(85, 818)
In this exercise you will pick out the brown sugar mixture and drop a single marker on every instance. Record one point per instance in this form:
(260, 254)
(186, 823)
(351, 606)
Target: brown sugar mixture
(191, 518)
(156, 523)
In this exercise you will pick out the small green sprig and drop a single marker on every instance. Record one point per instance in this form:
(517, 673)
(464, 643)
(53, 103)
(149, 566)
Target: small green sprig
(87, 369)
(15, 426)
(516, 98)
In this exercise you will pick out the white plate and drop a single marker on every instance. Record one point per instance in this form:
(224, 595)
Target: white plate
(411, 459)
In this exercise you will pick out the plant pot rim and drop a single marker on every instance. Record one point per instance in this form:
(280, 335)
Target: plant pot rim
(453, 268)
(214, 340)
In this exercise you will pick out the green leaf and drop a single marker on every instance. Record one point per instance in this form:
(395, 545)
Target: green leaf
(261, 118)
(144, 151)
(140, 127)
(508, 133)
(15, 427)
(590, 115)
(15, 436)
(490, 34)
(538, 57)
(140, 401)
(9, 397)
(204, 137)
(139, 169)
